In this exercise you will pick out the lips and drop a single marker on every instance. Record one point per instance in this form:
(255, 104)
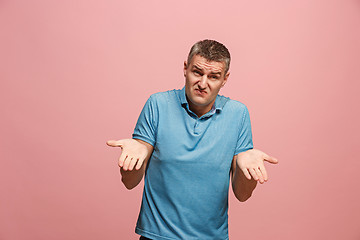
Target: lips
(200, 92)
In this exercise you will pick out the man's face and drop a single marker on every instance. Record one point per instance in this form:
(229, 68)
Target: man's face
(203, 82)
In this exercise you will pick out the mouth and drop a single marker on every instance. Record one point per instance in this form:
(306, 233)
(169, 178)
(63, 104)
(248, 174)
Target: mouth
(200, 92)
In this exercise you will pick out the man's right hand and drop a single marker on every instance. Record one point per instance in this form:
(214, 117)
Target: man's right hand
(133, 153)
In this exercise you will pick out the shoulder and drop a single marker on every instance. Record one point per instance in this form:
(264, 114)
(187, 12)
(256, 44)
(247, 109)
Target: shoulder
(231, 105)
(164, 97)
(163, 100)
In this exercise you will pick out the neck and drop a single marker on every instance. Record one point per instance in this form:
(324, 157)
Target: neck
(199, 110)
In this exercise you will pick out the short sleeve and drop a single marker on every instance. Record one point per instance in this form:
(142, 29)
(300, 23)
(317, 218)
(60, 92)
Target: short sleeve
(146, 125)
(244, 142)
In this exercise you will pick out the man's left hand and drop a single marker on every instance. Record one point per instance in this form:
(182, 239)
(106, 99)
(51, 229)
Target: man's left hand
(251, 163)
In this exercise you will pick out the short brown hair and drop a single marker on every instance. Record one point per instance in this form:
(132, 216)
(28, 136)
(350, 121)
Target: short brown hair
(212, 51)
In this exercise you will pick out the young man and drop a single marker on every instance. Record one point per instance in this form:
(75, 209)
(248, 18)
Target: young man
(189, 143)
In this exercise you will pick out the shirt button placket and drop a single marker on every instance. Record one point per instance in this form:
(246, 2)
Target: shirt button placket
(196, 126)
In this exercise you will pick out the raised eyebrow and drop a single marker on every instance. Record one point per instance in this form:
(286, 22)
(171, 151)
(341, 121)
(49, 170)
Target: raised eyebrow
(197, 67)
(216, 73)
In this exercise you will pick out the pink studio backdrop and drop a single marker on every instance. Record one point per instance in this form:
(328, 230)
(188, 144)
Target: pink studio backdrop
(77, 73)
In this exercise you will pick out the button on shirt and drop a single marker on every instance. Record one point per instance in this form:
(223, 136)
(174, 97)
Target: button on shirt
(187, 178)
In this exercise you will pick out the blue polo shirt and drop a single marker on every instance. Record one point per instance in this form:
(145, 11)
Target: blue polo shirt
(187, 178)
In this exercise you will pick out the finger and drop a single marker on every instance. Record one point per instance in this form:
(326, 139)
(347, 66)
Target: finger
(264, 173)
(127, 162)
(253, 174)
(114, 143)
(139, 163)
(259, 174)
(270, 159)
(132, 164)
(122, 159)
(246, 173)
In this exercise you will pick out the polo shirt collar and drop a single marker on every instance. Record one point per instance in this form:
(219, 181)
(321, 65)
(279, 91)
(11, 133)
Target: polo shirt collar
(218, 105)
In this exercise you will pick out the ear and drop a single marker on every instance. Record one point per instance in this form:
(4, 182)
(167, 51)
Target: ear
(185, 68)
(225, 79)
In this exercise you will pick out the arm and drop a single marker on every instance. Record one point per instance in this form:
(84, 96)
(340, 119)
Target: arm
(136, 153)
(246, 165)
(242, 187)
(133, 160)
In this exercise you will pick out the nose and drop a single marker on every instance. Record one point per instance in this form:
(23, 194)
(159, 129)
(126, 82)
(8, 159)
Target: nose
(203, 82)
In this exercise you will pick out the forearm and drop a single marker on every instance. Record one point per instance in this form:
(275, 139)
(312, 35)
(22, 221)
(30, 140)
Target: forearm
(132, 178)
(242, 187)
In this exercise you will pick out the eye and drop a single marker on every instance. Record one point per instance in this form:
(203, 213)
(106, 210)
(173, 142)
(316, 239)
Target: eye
(197, 73)
(214, 77)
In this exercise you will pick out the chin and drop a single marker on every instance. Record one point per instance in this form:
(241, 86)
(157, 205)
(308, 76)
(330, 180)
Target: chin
(198, 100)
(200, 103)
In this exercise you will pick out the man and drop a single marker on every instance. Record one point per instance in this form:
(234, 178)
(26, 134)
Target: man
(189, 143)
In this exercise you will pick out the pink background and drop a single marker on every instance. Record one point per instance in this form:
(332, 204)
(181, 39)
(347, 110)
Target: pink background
(77, 73)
